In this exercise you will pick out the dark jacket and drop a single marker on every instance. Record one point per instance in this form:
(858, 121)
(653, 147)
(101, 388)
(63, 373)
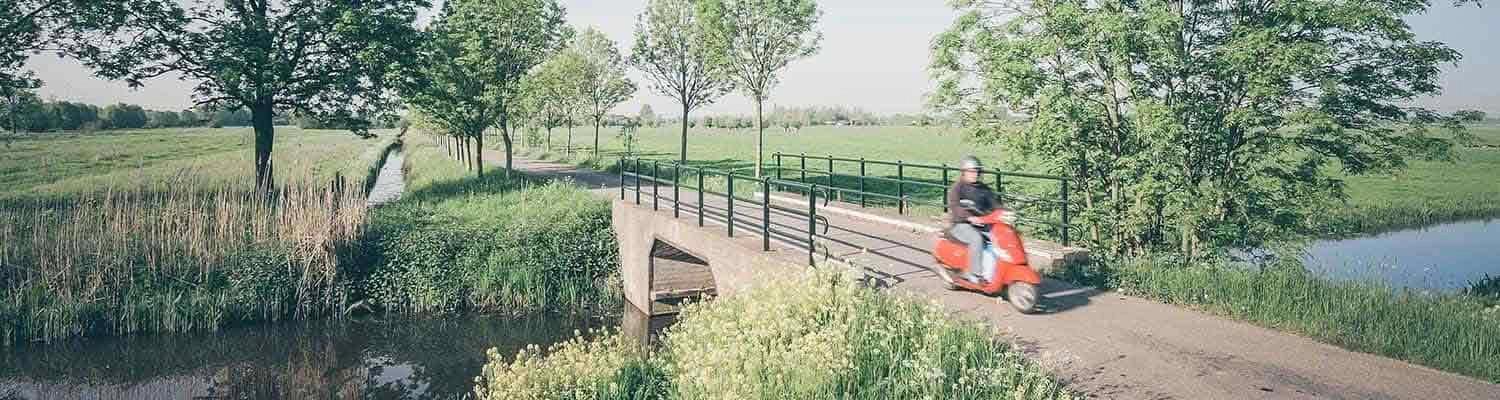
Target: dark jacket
(981, 195)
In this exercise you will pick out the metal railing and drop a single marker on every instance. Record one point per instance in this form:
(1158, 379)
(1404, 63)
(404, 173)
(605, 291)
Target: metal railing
(904, 182)
(639, 170)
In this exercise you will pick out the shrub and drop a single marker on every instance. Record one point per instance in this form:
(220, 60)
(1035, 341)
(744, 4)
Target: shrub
(816, 336)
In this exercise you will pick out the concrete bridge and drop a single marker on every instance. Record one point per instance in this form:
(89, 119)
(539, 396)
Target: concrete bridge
(677, 241)
(1105, 344)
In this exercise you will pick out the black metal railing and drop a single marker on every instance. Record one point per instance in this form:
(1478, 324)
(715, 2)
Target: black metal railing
(866, 186)
(651, 171)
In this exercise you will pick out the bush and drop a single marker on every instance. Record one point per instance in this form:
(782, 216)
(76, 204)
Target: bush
(817, 336)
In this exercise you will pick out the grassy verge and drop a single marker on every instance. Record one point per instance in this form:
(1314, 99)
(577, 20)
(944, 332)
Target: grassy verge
(456, 242)
(1427, 193)
(817, 336)
(1452, 332)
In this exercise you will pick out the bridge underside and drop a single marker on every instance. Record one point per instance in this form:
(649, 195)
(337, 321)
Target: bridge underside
(665, 260)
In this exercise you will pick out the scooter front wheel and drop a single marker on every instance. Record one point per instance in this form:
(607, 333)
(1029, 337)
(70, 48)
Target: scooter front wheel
(1022, 296)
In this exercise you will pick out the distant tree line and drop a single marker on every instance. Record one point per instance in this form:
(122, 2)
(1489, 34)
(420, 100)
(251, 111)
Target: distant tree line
(27, 113)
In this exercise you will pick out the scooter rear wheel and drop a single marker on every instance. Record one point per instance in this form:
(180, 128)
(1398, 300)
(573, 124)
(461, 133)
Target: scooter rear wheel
(1023, 296)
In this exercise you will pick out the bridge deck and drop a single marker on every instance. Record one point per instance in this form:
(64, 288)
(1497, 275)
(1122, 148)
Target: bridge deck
(1105, 344)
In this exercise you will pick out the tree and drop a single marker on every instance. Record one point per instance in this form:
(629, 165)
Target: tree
(602, 84)
(189, 118)
(1194, 126)
(166, 119)
(511, 37)
(646, 117)
(753, 40)
(1469, 115)
(671, 49)
(318, 57)
(558, 81)
(480, 52)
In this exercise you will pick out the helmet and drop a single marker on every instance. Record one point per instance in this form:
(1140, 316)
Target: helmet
(969, 162)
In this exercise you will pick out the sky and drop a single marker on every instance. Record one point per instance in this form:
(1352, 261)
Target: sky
(874, 56)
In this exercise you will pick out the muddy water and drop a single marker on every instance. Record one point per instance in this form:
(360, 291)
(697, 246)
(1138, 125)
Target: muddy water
(392, 359)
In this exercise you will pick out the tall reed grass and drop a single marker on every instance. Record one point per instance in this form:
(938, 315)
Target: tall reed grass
(816, 336)
(182, 245)
(139, 260)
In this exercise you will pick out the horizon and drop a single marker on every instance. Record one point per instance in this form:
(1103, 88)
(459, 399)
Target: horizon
(862, 63)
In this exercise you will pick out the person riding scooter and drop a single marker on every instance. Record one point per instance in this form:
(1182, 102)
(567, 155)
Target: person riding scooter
(971, 192)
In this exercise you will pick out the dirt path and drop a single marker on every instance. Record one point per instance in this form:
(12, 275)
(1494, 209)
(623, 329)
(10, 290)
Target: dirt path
(1105, 344)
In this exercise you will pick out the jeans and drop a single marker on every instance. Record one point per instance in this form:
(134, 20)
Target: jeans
(971, 236)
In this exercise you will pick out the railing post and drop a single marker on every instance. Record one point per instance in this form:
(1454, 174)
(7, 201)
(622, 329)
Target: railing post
(1065, 216)
(655, 182)
(676, 191)
(999, 189)
(621, 165)
(730, 218)
(900, 187)
(812, 221)
(700, 197)
(765, 214)
(945, 184)
(803, 169)
(637, 181)
(830, 170)
(861, 182)
(777, 157)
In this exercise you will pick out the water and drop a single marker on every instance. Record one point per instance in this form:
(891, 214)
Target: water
(1442, 257)
(396, 359)
(390, 182)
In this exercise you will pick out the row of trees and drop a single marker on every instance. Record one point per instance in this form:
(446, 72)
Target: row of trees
(28, 113)
(31, 114)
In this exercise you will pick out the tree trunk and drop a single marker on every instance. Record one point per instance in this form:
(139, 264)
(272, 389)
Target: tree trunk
(682, 157)
(570, 140)
(265, 135)
(596, 138)
(549, 139)
(479, 154)
(505, 137)
(760, 140)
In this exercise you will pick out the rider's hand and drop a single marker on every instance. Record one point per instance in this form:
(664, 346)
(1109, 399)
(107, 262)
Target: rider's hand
(975, 221)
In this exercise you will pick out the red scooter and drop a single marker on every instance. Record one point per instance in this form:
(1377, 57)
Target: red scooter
(1003, 250)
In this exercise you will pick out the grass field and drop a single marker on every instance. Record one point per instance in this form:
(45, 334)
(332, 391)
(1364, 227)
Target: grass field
(67, 164)
(164, 231)
(1428, 192)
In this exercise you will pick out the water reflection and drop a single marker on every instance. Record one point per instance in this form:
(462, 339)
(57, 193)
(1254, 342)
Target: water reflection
(399, 359)
(643, 327)
(1440, 257)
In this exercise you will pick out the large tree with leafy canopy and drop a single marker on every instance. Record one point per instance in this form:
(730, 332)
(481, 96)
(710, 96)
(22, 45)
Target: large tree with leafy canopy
(603, 84)
(323, 58)
(1195, 125)
(753, 41)
(670, 48)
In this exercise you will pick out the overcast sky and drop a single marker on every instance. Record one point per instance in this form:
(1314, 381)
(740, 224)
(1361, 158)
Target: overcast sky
(874, 56)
